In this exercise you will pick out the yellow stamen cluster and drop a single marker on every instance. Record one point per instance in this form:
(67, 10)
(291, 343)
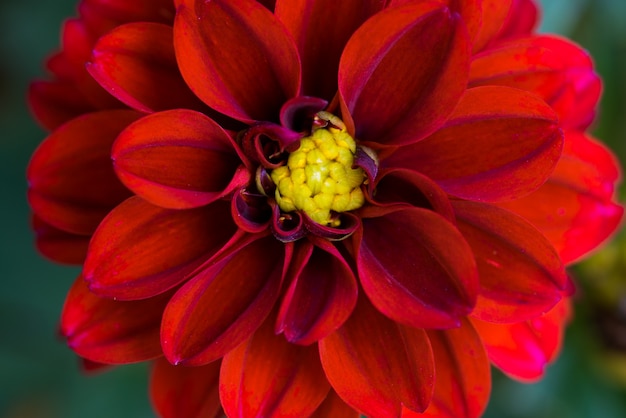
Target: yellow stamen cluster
(319, 177)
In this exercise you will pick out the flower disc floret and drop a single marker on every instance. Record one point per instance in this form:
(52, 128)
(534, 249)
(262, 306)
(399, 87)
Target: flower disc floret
(319, 177)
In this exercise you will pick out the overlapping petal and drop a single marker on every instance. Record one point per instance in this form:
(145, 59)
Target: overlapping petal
(224, 303)
(378, 366)
(416, 268)
(54, 103)
(190, 392)
(111, 332)
(521, 275)
(136, 63)
(268, 377)
(58, 245)
(334, 406)
(402, 73)
(129, 258)
(178, 159)
(524, 349)
(72, 185)
(499, 144)
(321, 295)
(225, 72)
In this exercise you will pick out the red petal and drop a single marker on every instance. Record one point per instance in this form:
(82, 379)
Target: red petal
(320, 29)
(522, 19)
(402, 73)
(378, 366)
(500, 143)
(71, 181)
(178, 159)
(524, 349)
(111, 332)
(103, 15)
(54, 103)
(224, 304)
(321, 295)
(136, 64)
(269, 377)
(463, 376)
(494, 15)
(575, 208)
(141, 250)
(521, 275)
(416, 268)
(334, 407)
(237, 57)
(189, 392)
(58, 245)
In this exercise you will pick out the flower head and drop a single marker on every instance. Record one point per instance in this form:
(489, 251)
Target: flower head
(320, 208)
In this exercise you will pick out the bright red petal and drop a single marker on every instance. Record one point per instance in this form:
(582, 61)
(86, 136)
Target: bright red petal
(321, 294)
(269, 377)
(248, 80)
(71, 181)
(522, 19)
(378, 366)
(189, 392)
(178, 159)
(416, 268)
(494, 16)
(403, 72)
(334, 407)
(524, 349)
(499, 144)
(136, 63)
(112, 332)
(521, 275)
(463, 376)
(223, 304)
(141, 250)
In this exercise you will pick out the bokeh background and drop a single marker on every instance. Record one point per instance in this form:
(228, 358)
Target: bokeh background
(39, 376)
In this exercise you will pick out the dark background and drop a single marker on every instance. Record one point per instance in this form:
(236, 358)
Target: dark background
(39, 377)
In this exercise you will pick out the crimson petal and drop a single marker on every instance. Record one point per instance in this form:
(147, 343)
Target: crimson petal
(224, 303)
(58, 245)
(189, 392)
(54, 103)
(333, 407)
(523, 350)
(111, 332)
(248, 81)
(378, 366)
(521, 274)
(417, 268)
(500, 143)
(136, 64)
(321, 295)
(72, 185)
(268, 377)
(403, 72)
(178, 159)
(129, 258)
(494, 15)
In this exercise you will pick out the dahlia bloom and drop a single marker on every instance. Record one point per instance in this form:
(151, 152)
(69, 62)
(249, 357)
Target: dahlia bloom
(316, 208)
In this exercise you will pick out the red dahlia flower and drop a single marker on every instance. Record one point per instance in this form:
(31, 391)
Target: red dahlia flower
(318, 208)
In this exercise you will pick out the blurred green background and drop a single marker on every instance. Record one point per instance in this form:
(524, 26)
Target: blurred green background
(39, 376)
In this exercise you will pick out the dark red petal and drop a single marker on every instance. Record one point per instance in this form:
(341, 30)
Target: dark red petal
(320, 29)
(103, 15)
(575, 209)
(403, 72)
(321, 294)
(334, 407)
(246, 80)
(54, 103)
(189, 392)
(71, 181)
(494, 15)
(463, 380)
(521, 275)
(378, 366)
(523, 350)
(178, 159)
(58, 245)
(136, 64)
(223, 304)
(500, 143)
(269, 377)
(141, 250)
(111, 332)
(416, 268)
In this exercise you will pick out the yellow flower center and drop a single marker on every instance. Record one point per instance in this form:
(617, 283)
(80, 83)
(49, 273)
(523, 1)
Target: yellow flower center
(318, 178)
